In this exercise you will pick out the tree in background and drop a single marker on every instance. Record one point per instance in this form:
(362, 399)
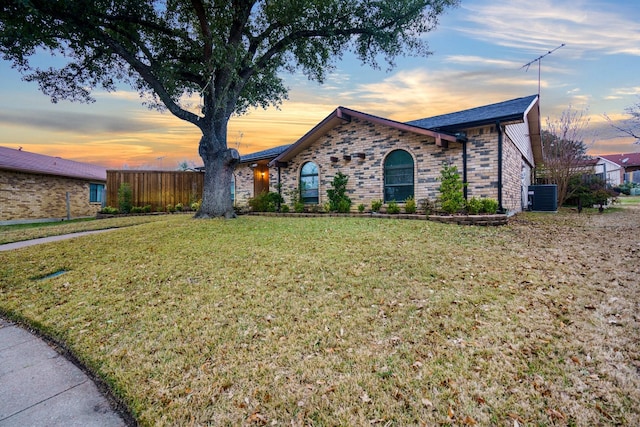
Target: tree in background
(631, 126)
(565, 153)
(228, 53)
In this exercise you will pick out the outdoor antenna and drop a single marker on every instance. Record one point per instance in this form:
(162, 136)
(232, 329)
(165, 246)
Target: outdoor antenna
(539, 60)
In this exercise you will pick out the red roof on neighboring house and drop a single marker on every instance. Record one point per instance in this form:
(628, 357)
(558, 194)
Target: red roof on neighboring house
(23, 161)
(625, 160)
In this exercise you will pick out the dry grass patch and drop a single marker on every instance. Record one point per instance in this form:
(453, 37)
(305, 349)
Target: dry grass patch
(348, 321)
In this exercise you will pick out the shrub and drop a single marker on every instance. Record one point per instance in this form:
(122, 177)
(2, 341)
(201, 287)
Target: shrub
(179, 207)
(474, 206)
(136, 209)
(338, 199)
(109, 210)
(266, 202)
(296, 200)
(284, 208)
(146, 208)
(195, 206)
(376, 205)
(451, 195)
(489, 206)
(125, 198)
(427, 205)
(361, 207)
(410, 205)
(170, 208)
(393, 208)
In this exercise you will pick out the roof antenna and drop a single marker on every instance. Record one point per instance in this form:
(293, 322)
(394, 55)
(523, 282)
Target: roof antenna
(539, 60)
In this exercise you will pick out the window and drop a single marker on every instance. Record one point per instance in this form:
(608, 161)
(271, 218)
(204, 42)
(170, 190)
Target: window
(309, 183)
(398, 176)
(96, 193)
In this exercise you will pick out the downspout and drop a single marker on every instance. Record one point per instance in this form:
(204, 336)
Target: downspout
(499, 127)
(464, 168)
(279, 187)
(461, 137)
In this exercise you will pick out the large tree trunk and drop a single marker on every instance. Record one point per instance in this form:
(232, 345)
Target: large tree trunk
(219, 165)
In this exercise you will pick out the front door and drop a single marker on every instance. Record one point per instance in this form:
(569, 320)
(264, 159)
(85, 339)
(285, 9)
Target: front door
(260, 179)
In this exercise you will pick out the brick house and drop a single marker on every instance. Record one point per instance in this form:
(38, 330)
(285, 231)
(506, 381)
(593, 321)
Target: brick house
(495, 148)
(34, 187)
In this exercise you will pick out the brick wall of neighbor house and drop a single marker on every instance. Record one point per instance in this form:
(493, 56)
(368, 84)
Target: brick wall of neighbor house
(366, 175)
(31, 196)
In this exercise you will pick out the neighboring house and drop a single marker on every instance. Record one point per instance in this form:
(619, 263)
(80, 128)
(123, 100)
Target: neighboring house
(495, 148)
(34, 187)
(619, 168)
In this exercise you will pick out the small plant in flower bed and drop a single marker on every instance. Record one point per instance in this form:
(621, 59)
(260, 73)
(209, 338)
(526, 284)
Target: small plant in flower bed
(410, 205)
(474, 206)
(266, 202)
(489, 206)
(170, 208)
(428, 206)
(393, 208)
(376, 205)
(195, 206)
(109, 210)
(361, 207)
(179, 207)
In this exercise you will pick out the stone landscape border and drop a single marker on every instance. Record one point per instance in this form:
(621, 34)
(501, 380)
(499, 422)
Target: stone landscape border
(482, 220)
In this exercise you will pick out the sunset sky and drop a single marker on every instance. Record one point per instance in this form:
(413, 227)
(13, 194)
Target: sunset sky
(479, 50)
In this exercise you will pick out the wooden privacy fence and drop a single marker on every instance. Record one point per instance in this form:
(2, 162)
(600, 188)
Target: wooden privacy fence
(156, 188)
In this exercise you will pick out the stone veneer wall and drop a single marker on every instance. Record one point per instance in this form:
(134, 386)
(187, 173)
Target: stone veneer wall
(482, 162)
(32, 197)
(512, 173)
(376, 141)
(366, 175)
(243, 176)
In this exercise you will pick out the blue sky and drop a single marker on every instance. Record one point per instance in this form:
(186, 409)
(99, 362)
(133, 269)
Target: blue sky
(479, 50)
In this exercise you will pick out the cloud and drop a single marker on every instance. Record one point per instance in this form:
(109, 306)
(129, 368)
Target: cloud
(582, 25)
(72, 122)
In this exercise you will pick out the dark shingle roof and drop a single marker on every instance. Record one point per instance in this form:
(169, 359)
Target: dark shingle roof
(265, 154)
(24, 161)
(503, 111)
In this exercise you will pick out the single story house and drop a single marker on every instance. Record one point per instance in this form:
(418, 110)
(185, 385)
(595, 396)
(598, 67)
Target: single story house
(35, 187)
(494, 147)
(619, 168)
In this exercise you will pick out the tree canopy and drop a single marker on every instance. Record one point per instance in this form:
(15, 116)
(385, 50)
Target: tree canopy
(565, 152)
(231, 53)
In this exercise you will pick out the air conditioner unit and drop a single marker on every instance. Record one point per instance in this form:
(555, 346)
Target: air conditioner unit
(543, 198)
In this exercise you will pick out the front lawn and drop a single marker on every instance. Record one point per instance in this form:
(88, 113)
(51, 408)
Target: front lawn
(348, 321)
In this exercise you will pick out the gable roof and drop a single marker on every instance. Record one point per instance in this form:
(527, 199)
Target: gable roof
(624, 160)
(343, 115)
(506, 111)
(24, 161)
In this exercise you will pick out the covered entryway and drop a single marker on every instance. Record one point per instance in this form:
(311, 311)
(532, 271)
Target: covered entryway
(260, 179)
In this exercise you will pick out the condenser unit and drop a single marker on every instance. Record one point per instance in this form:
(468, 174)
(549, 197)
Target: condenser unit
(543, 198)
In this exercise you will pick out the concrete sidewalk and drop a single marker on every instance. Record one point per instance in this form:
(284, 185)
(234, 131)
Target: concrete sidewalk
(39, 387)
(25, 243)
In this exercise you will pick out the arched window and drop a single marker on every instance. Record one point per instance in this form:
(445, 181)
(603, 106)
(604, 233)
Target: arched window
(309, 183)
(398, 176)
